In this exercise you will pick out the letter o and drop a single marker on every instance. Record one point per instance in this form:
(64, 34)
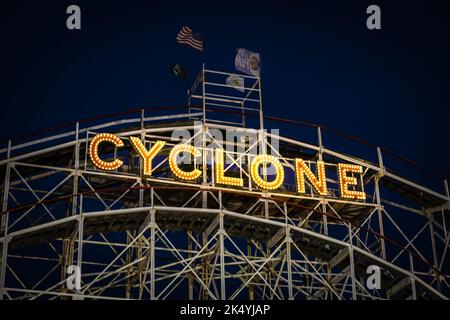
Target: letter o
(279, 172)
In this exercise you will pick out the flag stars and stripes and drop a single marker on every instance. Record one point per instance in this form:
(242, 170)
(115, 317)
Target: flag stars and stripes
(194, 40)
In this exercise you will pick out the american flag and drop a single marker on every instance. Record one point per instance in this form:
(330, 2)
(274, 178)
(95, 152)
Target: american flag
(185, 36)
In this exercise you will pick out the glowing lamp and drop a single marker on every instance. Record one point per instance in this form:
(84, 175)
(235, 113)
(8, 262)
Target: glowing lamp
(319, 183)
(191, 175)
(93, 151)
(279, 172)
(147, 155)
(220, 172)
(345, 181)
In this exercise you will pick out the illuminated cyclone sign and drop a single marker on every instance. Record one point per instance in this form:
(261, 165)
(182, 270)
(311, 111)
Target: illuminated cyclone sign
(346, 173)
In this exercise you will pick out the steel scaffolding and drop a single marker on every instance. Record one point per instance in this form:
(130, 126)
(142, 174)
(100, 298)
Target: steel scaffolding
(136, 237)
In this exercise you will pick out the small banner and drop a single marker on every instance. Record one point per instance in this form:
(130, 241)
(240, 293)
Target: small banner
(247, 62)
(178, 70)
(236, 82)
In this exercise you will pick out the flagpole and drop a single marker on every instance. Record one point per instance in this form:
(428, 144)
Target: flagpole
(188, 89)
(203, 51)
(203, 78)
(205, 179)
(261, 115)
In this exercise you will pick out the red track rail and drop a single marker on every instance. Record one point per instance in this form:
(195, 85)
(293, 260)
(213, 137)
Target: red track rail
(252, 114)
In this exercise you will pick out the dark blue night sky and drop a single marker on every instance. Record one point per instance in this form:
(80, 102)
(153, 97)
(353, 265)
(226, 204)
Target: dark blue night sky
(319, 64)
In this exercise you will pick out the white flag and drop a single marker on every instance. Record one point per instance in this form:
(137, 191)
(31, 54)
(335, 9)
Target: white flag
(236, 82)
(247, 62)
